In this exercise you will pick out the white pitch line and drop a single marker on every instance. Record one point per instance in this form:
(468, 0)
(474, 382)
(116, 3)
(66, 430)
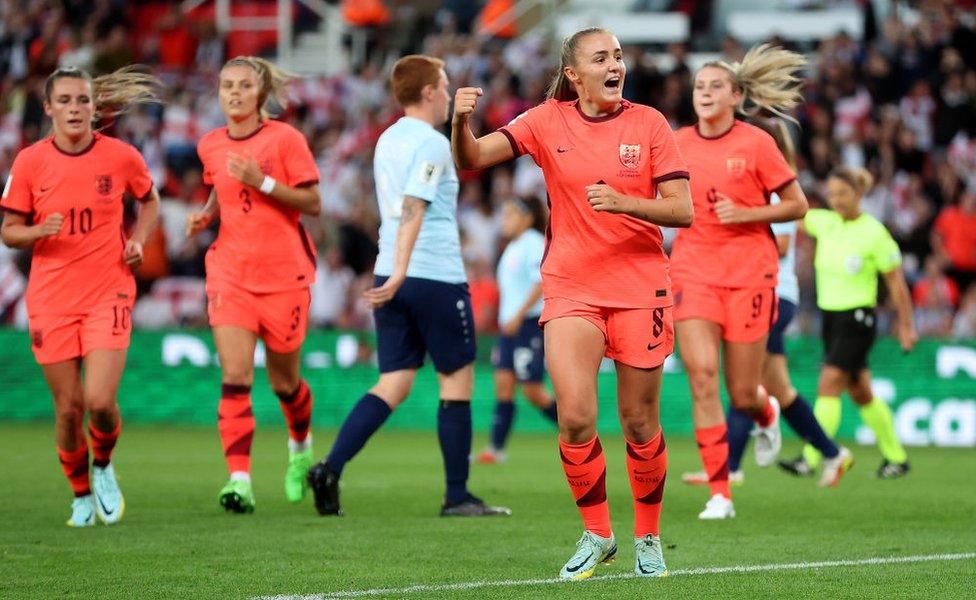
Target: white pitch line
(473, 585)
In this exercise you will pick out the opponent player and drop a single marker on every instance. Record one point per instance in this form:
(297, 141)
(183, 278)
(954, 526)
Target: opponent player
(604, 274)
(421, 301)
(853, 248)
(724, 267)
(519, 355)
(259, 268)
(64, 198)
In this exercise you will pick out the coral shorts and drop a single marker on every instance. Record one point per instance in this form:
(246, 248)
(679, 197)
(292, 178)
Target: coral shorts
(638, 337)
(56, 338)
(745, 314)
(280, 319)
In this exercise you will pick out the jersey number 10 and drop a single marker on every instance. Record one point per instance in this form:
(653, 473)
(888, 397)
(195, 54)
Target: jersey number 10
(79, 221)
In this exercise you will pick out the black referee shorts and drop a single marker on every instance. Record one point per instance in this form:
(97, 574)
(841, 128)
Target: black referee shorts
(847, 337)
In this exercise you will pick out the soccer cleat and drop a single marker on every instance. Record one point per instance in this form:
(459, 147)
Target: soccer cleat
(237, 496)
(650, 559)
(591, 550)
(798, 467)
(490, 456)
(717, 507)
(890, 470)
(472, 506)
(82, 512)
(325, 488)
(109, 503)
(296, 476)
(834, 468)
(736, 478)
(769, 440)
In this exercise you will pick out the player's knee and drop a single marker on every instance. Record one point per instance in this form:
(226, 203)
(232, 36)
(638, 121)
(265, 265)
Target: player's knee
(100, 404)
(703, 381)
(238, 374)
(576, 428)
(743, 396)
(69, 414)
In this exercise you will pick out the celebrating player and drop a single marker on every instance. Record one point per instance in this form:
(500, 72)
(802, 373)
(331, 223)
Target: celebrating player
(64, 198)
(725, 266)
(519, 355)
(853, 248)
(260, 267)
(604, 274)
(421, 301)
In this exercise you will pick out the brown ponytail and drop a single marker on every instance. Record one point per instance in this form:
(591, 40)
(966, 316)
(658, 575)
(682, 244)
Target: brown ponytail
(561, 88)
(272, 79)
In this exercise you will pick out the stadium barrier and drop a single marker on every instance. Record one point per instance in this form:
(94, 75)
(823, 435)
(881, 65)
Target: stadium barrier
(174, 377)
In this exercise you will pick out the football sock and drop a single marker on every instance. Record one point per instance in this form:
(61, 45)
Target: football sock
(800, 418)
(103, 443)
(585, 467)
(235, 422)
(647, 466)
(363, 420)
(827, 411)
(74, 463)
(454, 434)
(501, 424)
(297, 408)
(739, 425)
(713, 445)
(877, 415)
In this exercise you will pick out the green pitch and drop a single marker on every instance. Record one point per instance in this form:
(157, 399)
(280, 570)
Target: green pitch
(176, 542)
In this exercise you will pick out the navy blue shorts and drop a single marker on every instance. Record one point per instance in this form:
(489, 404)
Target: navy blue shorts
(522, 352)
(425, 317)
(774, 343)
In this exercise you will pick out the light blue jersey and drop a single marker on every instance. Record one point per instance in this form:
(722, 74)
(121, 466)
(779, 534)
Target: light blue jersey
(789, 286)
(518, 272)
(414, 159)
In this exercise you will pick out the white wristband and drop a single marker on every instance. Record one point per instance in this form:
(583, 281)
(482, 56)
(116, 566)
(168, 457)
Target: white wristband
(268, 185)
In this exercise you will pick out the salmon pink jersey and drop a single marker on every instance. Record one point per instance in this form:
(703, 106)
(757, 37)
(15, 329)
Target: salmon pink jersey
(261, 247)
(601, 259)
(76, 269)
(746, 165)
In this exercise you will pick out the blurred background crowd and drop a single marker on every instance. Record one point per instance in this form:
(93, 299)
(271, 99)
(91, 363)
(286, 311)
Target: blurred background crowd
(899, 99)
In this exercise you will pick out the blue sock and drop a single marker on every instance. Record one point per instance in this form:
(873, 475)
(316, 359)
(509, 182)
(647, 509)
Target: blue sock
(550, 411)
(739, 424)
(361, 423)
(800, 418)
(501, 425)
(454, 434)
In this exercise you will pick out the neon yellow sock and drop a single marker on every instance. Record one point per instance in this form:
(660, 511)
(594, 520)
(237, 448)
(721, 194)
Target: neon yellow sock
(827, 411)
(877, 416)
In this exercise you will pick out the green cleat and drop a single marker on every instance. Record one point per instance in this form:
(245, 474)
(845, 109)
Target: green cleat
(650, 560)
(296, 476)
(237, 496)
(591, 550)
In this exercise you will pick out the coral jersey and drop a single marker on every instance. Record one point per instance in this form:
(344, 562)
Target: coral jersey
(746, 165)
(601, 259)
(73, 271)
(261, 245)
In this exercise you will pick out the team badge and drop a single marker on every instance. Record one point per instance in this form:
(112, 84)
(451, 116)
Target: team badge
(735, 166)
(103, 184)
(630, 155)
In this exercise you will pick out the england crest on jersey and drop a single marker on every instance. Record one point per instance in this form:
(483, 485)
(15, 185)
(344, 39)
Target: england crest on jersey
(630, 155)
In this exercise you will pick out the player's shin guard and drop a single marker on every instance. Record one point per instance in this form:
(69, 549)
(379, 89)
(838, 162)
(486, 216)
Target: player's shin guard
(74, 463)
(297, 408)
(454, 434)
(647, 466)
(235, 422)
(586, 471)
(827, 411)
(877, 415)
(103, 443)
(713, 445)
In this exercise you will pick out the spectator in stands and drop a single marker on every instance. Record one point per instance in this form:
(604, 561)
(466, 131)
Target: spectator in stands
(954, 239)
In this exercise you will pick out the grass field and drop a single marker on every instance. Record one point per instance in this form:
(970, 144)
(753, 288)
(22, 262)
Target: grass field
(175, 541)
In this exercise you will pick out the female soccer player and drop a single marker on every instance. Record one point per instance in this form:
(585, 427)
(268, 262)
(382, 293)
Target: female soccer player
(853, 248)
(519, 355)
(724, 267)
(604, 273)
(64, 198)
(260, 267)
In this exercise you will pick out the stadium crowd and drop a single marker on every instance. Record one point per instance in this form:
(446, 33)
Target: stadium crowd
(901, 103)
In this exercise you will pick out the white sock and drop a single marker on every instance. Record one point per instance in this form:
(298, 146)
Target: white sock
(302, 446)
(240, 476)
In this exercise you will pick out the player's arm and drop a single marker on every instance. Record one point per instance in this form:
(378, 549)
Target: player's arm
(512, 326)
(470, 152)
(672, 209)
(146, 221)
(411, 218)
(16, 233)
(792, 206)
(201, 219)
(907, 335)
(783, 244)
(245, 168)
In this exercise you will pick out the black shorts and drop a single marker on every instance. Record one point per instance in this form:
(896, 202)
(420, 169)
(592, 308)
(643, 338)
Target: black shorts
(425, 317)
(847, 337)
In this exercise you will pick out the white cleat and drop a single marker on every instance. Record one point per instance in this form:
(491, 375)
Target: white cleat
(109, 503)
(769, 440)
(82, 512)
(834, 468)
(717, 507)
(591, 550)
(736, 478)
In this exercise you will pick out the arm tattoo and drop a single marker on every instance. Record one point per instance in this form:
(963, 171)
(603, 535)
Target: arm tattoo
(410, 210)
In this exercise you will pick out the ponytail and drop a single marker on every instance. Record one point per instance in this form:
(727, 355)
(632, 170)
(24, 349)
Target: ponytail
(115, 93)
(273, 81)
(781, 134)
(767, 79)
(561, 88)
(859, 179)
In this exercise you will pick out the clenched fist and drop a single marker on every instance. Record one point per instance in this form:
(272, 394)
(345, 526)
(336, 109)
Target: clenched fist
(465, 101)
(50, 226)
(197, 222)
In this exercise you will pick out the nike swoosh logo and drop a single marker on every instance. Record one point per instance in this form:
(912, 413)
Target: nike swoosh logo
(647, 472)
(108, 513)
(643, 570)
(579, 566)
(653, 346)
(44, 189)
(561, 150)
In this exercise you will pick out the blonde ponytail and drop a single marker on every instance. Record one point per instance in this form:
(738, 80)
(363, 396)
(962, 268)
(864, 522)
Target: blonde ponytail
(273, 81)
(859, 179)
(561, 88)
(781, 134)
(767, 79)
(113, 94)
